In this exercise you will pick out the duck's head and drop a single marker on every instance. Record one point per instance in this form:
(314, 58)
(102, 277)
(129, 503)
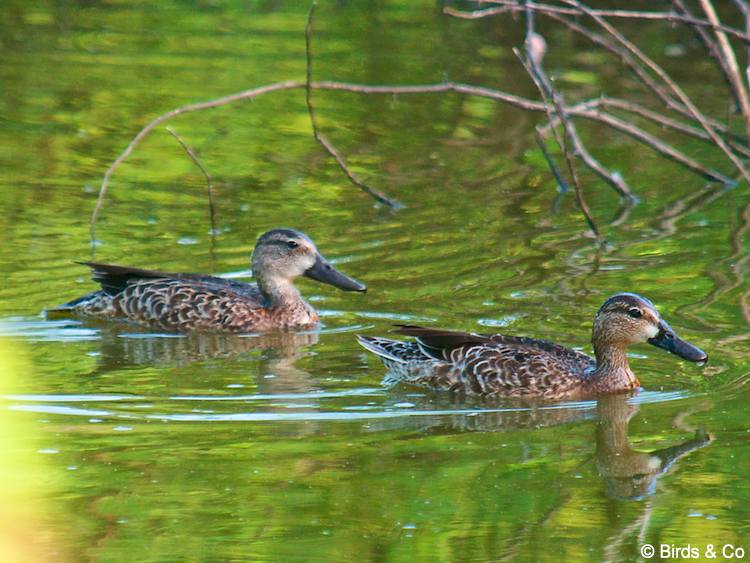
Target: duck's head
(627, 318)
(285, 254)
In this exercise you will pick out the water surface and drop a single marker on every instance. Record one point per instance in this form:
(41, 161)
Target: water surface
(287, 447)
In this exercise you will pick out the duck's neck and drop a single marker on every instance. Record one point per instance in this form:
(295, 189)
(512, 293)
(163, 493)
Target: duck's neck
(280, 292)
(612, 370)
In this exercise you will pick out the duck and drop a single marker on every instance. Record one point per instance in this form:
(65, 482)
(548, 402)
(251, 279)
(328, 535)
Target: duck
(200, 302)
(521, 367)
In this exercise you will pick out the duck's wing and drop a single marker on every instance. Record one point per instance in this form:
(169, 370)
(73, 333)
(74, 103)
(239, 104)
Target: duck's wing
(114, 279)
(438, 343)
(502, 365)
(573, 358)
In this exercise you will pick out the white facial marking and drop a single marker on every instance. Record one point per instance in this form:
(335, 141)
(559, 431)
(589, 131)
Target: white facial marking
(651, 330)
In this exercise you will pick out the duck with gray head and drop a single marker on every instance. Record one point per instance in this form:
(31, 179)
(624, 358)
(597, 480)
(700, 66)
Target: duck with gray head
(512, 366)
(191, 302)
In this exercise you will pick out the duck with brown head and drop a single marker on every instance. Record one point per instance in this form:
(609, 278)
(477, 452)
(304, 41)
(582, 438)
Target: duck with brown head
(188, 302)
(512, 366)
(625, 319)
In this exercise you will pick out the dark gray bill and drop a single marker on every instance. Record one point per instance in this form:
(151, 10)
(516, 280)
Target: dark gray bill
(322, 271)
(667, 339)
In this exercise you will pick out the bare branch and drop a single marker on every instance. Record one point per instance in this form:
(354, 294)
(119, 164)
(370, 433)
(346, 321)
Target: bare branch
(378, 195)
(646, 138)
(515, 6)
(517, 101)
(192, 154)
(744, 7)
(559, 177)
(664, 121)
(246, 95)
(730, 60)
(476, 14)
(533, 64)
(668, 81)
(704, 36)
(555, 13)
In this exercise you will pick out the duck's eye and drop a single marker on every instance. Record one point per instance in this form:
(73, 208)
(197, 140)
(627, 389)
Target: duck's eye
(292, 244)
(635, 313)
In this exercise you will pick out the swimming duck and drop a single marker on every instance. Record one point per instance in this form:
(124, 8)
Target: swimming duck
(190, 302)
(512, 366)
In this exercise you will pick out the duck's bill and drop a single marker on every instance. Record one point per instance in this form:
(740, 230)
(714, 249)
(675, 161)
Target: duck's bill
(668, 340)
(322, 271)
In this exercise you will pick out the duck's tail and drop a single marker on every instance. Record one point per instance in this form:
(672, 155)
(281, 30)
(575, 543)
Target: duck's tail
(89, 304)
(394, 352)
(404, 360)
(384, 348)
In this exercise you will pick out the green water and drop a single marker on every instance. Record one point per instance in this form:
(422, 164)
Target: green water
(221, 448)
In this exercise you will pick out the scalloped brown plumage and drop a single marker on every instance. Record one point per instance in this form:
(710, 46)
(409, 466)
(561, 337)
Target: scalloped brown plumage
(512, 366)
(198, 302)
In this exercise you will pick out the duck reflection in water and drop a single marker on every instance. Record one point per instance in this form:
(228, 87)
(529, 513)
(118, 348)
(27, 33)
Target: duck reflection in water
(629, 473)
(273, 354)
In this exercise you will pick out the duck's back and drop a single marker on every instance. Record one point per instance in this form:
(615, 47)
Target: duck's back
(517, 366)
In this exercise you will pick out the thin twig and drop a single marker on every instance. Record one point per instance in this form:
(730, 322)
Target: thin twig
(730, 59)
(646, 138)
(535, 49)
(322, 139)
(614, 179)
(661, 73)
(475, 14)
(516, 6)
(704, 36)
(648, 81)
(519, 102)
(664, 121)
(209, 185)
(556, 172)
(744, 7)
(247, 94)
